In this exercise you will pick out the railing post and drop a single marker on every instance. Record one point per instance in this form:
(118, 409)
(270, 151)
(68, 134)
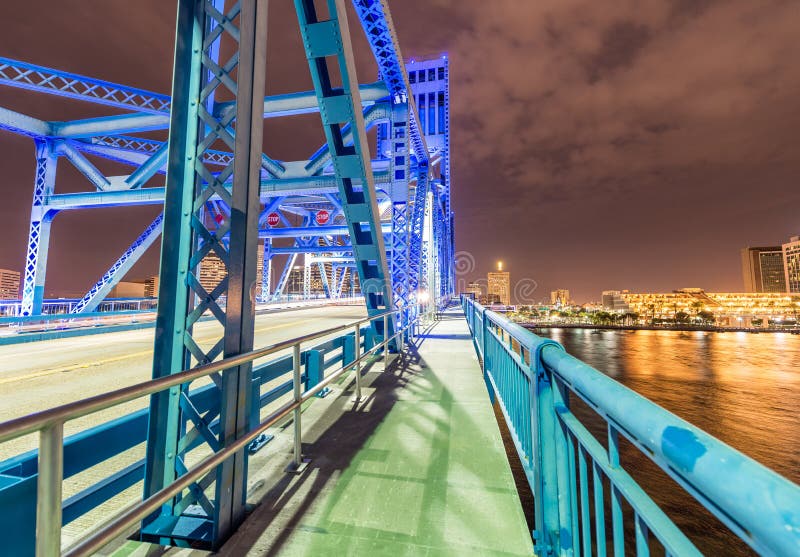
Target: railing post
(553, 516)
(357, 351)
(487, 361)
(385, 336)
(315, 371)
(297, 457)
(48, 491)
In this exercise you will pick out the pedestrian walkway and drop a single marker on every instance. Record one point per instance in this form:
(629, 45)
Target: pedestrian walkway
(416, 468)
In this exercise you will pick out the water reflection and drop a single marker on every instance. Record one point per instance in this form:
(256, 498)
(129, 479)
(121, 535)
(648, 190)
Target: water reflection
(742, 388)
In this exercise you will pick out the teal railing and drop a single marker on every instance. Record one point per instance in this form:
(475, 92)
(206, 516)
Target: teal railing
(568, 468)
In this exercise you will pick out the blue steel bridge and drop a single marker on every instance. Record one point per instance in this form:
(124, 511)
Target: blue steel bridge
(379, 432)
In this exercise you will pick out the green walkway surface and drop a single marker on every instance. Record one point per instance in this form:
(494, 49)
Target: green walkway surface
(417, 468)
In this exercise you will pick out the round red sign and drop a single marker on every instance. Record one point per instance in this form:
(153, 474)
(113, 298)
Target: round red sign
(323, 216)
(273, 219)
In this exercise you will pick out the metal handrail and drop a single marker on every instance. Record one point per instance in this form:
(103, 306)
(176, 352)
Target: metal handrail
(66, 412)
(50, 424)
(760, 506)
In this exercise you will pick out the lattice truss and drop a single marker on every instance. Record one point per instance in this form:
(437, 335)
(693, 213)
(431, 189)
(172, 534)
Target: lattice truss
(148, 157)
(211, 207)
(177, 426)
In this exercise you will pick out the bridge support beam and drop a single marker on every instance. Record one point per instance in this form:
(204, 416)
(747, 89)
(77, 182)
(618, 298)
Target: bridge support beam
(189, 236)
(119, 269)
(325, 41)
(39, 235)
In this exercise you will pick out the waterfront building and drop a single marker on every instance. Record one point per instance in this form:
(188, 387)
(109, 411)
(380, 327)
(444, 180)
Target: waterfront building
(151, 287)
(9, 284)
(613, 300)
(499, 285)
(763, 269)
(559, 297)
(791, 264)
(729, 308)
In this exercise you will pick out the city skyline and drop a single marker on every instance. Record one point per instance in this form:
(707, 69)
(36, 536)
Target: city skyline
(636, 154)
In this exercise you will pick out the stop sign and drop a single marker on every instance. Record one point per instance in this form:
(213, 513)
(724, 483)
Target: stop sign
(273, 219)
(323, 216)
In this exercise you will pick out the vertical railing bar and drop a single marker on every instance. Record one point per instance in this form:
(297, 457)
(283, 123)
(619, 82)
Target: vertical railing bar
(599, 510)
(385, 337)
(358, 361)
(297, 394)
(616, 496)
(585, 524)
(573, 491)
(642, 535)
(48, 490)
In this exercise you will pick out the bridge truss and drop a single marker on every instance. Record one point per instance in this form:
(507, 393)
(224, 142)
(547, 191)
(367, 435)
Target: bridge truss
(382, 219)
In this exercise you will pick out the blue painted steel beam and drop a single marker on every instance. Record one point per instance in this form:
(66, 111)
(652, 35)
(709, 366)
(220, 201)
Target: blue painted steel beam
(189, 236)
(313, 185)
(39, 232)
(22, 124)
(74, 86)
(42, 79)
(314, 231)
(312, 249)
(120, 268)
(379, 28)
(324, 41)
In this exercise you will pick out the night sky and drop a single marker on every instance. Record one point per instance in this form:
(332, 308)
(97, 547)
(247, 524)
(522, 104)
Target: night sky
(596, 145)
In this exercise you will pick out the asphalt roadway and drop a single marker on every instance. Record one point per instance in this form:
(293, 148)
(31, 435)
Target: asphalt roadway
(40, 375)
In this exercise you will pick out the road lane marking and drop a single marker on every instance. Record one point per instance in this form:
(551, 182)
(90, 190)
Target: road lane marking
(96, 363)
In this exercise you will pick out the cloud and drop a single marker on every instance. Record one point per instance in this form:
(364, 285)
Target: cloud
(573, 104)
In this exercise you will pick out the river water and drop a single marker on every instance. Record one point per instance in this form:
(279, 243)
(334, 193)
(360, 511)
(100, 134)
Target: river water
(742, 388)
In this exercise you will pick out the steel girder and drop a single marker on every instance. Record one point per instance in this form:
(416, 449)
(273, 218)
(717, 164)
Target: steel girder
(417, 229)
(189, 236)
(121, 266)
(397, 138)
(39, 234)
(65, 84)
(326, 40)
(379, 28)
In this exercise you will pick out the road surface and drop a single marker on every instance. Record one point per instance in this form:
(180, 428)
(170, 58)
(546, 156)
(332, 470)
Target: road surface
(40, 375)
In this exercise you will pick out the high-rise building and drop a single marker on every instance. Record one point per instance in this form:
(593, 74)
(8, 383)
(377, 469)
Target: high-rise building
(559, 297)
(151, 287)
(791, 264)
(213, 271)
(499, 285)
(9, 284)
(763, 269)
(474, 289)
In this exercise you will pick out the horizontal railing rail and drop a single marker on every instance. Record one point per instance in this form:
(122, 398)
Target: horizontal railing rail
(568, 467)
(50, 425)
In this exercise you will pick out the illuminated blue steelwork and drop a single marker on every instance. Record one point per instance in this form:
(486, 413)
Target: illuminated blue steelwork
(326, 40)
(148, 156)
(191, 234)
(120, 267)
(39, 235)
(212, 205)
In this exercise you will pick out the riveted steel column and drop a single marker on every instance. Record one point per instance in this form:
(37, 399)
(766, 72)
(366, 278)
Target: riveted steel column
(39, 234)
(189, 238)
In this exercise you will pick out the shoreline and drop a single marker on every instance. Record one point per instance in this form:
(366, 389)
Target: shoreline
(709, 328)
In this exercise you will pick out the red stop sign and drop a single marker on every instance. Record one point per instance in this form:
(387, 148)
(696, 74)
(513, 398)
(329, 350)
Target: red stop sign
(323, 216)
(273, 219)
